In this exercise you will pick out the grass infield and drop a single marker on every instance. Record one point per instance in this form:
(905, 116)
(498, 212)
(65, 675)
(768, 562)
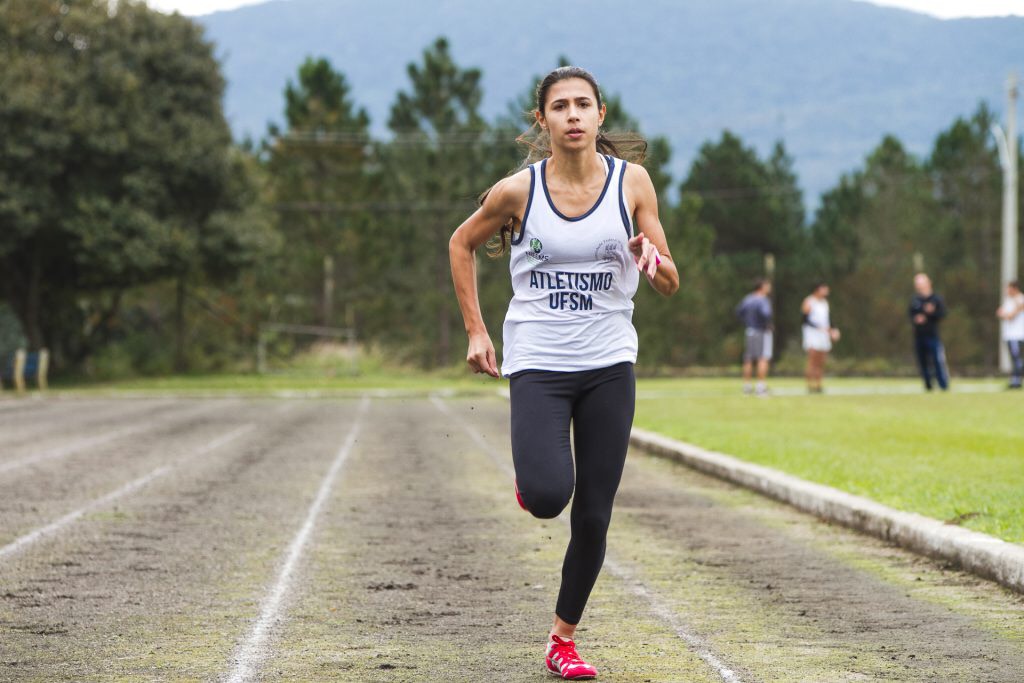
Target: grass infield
(957, 457)
(283, 384)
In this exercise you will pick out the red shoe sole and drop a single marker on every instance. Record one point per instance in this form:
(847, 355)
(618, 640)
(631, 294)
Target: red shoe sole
(586, 677)
(519, 498)
(551, 669)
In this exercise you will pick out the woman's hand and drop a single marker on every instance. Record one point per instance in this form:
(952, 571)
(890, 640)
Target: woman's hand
(481, 356)
(645, 254)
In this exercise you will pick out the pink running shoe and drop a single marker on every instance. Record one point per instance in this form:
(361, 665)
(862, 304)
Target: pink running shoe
(562, 660)
(519, 498)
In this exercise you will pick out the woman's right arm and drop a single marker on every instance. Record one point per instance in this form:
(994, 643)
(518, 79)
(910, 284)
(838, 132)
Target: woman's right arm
(805, 308)
(507, 199)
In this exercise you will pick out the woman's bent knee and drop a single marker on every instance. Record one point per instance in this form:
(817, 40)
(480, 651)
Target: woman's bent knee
(545, 502)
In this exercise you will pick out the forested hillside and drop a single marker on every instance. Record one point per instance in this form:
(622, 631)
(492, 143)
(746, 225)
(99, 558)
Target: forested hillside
(829, 77)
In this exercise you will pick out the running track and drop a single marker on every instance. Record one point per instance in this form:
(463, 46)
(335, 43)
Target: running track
(377, 539)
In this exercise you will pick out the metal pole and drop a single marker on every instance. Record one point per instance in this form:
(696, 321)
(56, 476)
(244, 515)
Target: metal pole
(1008, 160)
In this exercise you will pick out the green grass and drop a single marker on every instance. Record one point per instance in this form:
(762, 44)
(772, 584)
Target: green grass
(956, 455)
(275, 384)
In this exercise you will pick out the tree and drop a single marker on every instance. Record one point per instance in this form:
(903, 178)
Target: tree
(437, 164)
(318, 175)
(754, 208)
(867, 233)
(115, 159)
(964, 166)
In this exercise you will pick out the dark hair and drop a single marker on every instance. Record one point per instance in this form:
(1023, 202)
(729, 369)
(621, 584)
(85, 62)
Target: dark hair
(1014, 284)
(625, 145)
(621, 146)
(759, 283)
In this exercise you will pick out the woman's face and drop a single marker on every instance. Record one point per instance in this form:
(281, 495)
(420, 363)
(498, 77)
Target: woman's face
(571, 114)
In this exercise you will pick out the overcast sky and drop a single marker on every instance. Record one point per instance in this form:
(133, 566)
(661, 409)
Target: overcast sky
(939, 8)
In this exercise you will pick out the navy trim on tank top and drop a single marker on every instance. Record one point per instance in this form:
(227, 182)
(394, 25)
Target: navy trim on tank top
(544, 182)
(622, 203)
(526, 214)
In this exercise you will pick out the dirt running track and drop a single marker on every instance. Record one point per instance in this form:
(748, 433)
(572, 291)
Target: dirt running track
(378, 540)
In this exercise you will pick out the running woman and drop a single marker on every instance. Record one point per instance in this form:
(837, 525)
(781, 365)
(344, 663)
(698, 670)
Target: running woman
(582, 226)
(818, 335)
(1011, 315)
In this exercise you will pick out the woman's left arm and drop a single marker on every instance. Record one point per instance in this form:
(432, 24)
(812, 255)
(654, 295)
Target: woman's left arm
(649, 247)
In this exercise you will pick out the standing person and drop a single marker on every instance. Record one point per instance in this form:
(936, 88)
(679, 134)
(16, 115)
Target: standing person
(926, 310)
(818, 335)
(756, 313)
(569, 341)
(1011, 313)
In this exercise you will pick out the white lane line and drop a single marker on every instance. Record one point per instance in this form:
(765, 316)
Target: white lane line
(68, 449)
(658, 606)
(251, 653)
(90, 442)
(33, 536)
(697, 644)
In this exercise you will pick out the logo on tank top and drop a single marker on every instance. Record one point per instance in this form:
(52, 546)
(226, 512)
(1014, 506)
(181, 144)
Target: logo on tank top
(608, 250)
(536, 246)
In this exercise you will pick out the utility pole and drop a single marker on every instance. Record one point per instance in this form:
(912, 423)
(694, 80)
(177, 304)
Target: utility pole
(1007, 143)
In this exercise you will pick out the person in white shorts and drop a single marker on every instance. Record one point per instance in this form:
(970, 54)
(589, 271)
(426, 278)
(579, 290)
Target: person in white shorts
(818, 335)
(1011, 313)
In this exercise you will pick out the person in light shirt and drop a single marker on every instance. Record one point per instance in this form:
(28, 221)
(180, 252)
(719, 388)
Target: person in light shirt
(1011, 313)
(818, 335)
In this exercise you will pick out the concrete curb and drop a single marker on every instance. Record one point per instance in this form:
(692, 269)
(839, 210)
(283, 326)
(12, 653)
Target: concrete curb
(979, 553)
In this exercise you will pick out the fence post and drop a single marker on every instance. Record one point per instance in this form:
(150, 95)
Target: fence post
(19, 370)
(42, 368)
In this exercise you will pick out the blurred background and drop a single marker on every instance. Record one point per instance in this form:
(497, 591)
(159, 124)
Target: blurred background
(270, 187)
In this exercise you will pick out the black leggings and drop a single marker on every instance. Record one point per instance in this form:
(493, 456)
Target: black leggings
(600, 405)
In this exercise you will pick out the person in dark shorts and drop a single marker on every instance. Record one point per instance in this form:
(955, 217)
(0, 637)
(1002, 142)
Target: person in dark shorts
(582, 227)
(927, 309)
(755, 311)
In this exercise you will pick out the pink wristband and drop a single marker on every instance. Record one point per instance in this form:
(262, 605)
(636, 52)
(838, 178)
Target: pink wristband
(657, 260)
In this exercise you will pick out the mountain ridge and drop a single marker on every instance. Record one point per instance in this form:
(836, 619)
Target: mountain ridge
(828, 77)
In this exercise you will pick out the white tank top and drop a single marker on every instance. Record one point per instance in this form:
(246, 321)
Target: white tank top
(1013, 329)
(818, 316)
(573, 281)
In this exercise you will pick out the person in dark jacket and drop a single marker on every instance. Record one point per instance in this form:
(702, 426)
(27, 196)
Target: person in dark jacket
(927, 309)
(755, 311)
